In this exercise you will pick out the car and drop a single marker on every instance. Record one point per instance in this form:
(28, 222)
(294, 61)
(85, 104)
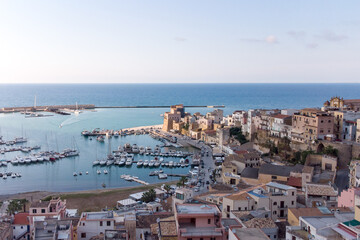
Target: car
(196, 189)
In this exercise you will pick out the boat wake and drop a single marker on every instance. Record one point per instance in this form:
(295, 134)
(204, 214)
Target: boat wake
(69, 121)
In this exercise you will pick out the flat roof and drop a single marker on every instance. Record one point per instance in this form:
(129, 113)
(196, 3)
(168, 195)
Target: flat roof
(197, 209)
(280, 186)
(98, 215)
(249, 233)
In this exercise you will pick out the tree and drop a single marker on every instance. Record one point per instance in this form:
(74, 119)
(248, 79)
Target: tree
(149, 196)
(15, 206)
(167, 188)
(329, 150)
(182, 181)
(238, 135)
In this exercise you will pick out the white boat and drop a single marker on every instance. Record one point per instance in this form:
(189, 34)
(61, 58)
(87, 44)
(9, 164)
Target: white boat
(182, 160)
(18, 174)
(156, 164)
(13, 175)
(171, 164)
(148, 149)
(96, 162)
(15, 161)
(106, 171)
(33, 159)
(74, 174)
(27, 160)
(182, 165)
(122, 162)
(166, 164)
(141, 150)
(124, 176)
(46, 158)
(109, 162)
(162, 176)
(4, 176)
(20, 140)
(140, 163)
(135, 148)
(163, 164)
(98, 172)
(128, 162)
(87, 173)
(151, 163)
(103, 162)
(146, 163)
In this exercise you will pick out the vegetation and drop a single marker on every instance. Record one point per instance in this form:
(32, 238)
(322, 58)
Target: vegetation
(182, 182)
(149, 196)
(330, 150)
(16, 205)
(300, 156)
(167, 188)
(238, 135)
(48, 198)
(186, 126)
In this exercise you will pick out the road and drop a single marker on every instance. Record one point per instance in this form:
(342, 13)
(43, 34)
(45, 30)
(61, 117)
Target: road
(207, 158)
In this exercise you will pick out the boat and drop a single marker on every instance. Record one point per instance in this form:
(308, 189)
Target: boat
(20, 140)
(4, 176)
(128, 162)
(148, 149)
(162, 176)
(140, 163)
(87, 173)
(96, 162)
(13, 175)
(135, 148)
(127, 147)
(74, 174)
(182, 165)
(163, 164)
(27, 160)
(103, 162)
(151, 163)
(100, 139)
(116, 134)
(171, 164)
(124, 176)
(122, 162)
(166, 164)
(98, 172)
(106, 171)
(36, 147)
(146, 163)
(156, 164)
(80, 173)
(109, 162)
(18, 174)
(15, 161)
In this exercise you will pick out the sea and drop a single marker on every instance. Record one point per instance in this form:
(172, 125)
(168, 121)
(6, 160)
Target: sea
(58, 176)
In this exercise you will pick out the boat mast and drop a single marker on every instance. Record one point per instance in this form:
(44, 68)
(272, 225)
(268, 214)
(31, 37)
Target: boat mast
(35, 102)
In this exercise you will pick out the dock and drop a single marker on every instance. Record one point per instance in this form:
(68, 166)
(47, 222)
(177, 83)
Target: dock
(163, 106)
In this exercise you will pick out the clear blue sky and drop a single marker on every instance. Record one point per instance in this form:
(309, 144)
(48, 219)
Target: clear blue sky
(79, 41)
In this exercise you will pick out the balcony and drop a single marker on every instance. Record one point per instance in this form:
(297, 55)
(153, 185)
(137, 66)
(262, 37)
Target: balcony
(190, 230)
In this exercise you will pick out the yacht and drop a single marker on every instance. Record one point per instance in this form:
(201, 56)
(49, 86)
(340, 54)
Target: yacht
(140, 163)
(127, 147)
(151, 163)
(171, 164)
(156, 164)
(103, 162)
(135, 148)
(141, 150)
(96, 162)
(128, 162)
(148, 149)
(122, 162)
(109, 162)
(146, 163)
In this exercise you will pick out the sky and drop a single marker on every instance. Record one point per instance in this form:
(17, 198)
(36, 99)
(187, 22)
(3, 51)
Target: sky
(187, 41)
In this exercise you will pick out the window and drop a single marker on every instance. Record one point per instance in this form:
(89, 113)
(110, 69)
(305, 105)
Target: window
(209, 220)
(83, 235)
(292, 202)
(42, 210)
(274, 212)
(108, 223)
(34, 210)
(228, 208)
(83, 224)
(293, 193)
(239, 208)
(273, 177)
(101, 223)
(245, 208)
(22, 227)
(275, 203)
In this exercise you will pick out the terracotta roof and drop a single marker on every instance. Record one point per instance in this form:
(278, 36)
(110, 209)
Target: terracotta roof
(242, 214)
(167, 228)
(242, 196)
(40, 204)
(282, 116)
(294, 181)
(305, 212)
(260, 223)
(21, 219)
(320, 190)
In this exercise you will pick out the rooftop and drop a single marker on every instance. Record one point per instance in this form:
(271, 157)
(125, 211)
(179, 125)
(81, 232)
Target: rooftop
(40, 204)
(98, 215)
(249, 233)
(250, 172)
(260, 223)
(167, 228)
(278, 170)
(320, 190)
(227, 222)
(241, 196)
(21, 219)
(280, 186)
(197, 209)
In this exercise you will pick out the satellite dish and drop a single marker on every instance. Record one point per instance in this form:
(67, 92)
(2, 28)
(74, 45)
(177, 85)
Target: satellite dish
(45, 224)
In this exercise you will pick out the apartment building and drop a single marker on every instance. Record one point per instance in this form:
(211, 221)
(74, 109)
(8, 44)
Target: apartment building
(174, 116)
(94, 223)
(312, 124)
(274, 197)
(197, 221)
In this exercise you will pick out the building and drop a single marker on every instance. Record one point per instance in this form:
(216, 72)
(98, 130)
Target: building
(6, 232)
(273, 197)
(55, 208)
(345, 124)
(347, 197)
(280, 126)
(354, 175)
(53, 229)
(320, 195)
(21, 226)
(144, 222)
(358, 131)
(312, 124)
(342, 104)
(267, 225)
(196, 221)
(174, 116)
(270, 172)
(165, 229)
(237, 233)
(216, 116)
(93, 223)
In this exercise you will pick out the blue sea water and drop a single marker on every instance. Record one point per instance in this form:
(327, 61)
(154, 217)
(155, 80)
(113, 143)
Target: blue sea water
(46, 132)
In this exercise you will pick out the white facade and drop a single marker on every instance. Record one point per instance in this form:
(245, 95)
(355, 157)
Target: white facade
(20, 230)
(94, 223)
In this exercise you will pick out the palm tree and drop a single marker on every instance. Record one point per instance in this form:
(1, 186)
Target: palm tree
(167, 188)
(182, 181)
